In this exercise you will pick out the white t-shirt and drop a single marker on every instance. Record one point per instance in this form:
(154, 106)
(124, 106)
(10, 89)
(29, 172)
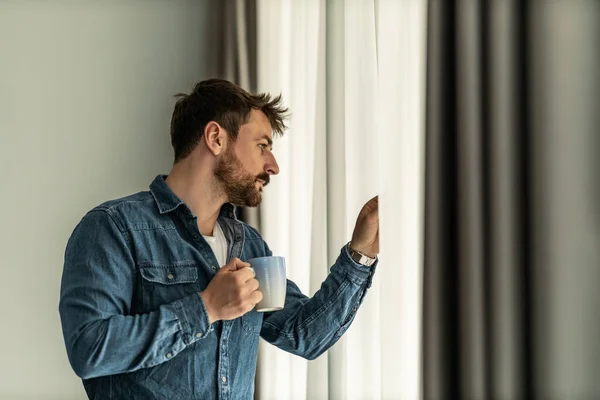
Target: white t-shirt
(218, 244)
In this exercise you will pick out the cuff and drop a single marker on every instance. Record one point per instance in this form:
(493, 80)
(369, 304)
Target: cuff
(356, 272)
(193, 318)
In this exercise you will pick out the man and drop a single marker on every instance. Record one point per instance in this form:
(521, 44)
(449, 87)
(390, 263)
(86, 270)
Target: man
(156, 300)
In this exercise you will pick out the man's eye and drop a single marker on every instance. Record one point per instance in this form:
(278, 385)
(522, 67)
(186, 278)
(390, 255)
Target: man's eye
(262, 146)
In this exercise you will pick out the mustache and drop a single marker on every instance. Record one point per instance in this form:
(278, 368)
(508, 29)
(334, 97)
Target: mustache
(266, 178)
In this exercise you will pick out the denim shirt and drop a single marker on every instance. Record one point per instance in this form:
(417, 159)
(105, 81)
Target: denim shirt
(135, 326)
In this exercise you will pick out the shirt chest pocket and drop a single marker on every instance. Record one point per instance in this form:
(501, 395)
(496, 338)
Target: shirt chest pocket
(165, 284)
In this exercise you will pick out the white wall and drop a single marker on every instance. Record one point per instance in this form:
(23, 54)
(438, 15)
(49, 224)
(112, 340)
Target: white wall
(85, 103)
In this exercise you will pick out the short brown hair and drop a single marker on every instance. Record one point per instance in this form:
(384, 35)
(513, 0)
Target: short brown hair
(225, 103)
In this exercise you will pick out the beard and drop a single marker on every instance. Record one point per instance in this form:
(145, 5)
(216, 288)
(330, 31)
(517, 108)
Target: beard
(239, 186)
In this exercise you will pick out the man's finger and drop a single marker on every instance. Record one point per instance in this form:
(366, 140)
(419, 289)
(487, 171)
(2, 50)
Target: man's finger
(371, 205)
(237, 264)
(246, 273)
(252, 285)
(256, 297)
(374, 201)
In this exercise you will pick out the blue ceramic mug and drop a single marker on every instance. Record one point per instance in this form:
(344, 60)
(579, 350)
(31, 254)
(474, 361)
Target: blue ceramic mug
(271, 277)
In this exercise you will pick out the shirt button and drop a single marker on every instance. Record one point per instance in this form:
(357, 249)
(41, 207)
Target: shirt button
(170, 276)
(224, 379)
(169, 355)
(198, 335)
(355, 309)
(196, 237)
(214, 268)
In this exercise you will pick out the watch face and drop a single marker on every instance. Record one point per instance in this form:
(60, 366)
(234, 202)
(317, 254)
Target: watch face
(362, 259)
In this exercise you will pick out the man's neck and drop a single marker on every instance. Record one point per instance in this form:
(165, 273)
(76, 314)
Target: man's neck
(196, 188)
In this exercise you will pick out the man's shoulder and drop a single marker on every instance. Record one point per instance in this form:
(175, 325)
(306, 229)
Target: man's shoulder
(136, 201)
(129, 211)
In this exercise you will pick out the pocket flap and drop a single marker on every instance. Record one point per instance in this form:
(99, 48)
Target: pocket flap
(170, 275)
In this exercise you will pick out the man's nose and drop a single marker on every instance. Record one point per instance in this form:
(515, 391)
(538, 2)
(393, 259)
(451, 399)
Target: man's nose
(271, 166)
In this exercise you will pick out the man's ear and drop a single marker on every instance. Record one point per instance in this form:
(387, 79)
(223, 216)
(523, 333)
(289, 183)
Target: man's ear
(214, 138)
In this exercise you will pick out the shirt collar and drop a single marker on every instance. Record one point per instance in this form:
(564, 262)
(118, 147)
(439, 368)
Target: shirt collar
(167, 201)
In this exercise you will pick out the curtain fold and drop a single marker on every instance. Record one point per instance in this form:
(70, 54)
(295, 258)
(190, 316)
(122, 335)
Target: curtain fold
(401, 61)
(290, 31)
(477, 208)
(239, 60)
(440, 275)
(507, 150)
(564, 93)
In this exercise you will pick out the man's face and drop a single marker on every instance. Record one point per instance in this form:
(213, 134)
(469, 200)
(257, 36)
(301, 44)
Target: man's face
(248, 163)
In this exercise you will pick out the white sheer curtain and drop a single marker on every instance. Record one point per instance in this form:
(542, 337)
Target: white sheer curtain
(352, 73)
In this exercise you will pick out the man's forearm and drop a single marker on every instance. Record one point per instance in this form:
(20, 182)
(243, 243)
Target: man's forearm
(308, 327)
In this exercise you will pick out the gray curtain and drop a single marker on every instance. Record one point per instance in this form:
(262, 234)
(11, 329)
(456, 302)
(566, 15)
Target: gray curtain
(239, 61)
(512, 237)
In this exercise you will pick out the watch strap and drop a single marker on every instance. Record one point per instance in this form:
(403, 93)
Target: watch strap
(360, 257)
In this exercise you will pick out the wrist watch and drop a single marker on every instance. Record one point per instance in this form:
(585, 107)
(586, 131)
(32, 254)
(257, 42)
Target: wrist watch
(360, 257)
